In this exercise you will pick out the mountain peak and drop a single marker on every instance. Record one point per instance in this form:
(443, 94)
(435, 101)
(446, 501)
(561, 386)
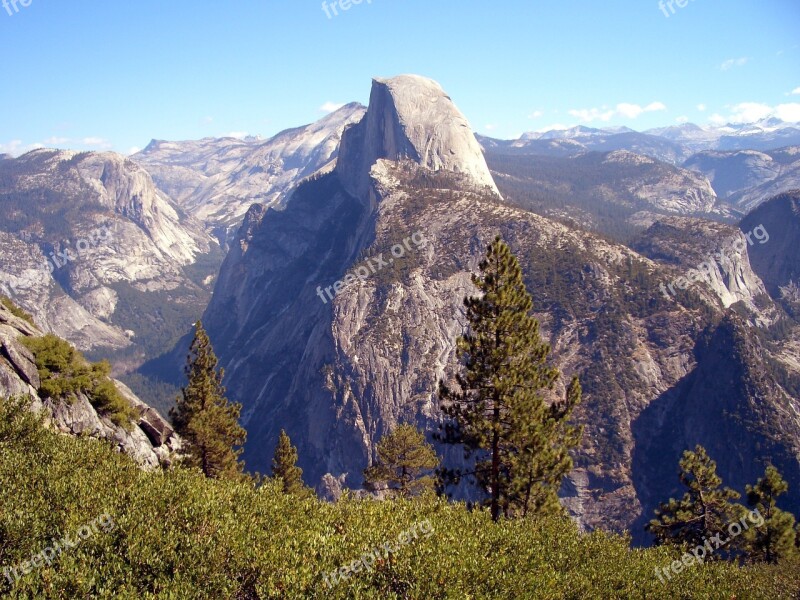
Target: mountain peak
(410, 116)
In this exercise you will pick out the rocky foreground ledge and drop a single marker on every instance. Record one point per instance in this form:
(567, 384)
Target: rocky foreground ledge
(150, 440)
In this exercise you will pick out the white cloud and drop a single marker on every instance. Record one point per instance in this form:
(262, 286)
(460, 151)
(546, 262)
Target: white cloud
(96, 142)
(701, 107)
(490, 127)
(329, 107)
(553, 127)
(56, 141)
(749, 112)
(239, 135)
(11, 147)
(734, 62)
(796, 91)
(16, 147)
(717, 119)
(536, 114)
(624, 109)
(682, 119)
(587, 115)
(133, 150)
(631, 111)
(207, 120)
(788, 112)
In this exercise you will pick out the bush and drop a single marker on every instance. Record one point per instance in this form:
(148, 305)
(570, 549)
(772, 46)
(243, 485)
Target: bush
(180, 535)
(64, 372)
(16, 310)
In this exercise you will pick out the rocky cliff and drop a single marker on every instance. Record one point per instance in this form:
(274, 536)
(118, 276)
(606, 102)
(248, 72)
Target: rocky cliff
(149, 440)
(746, 178)
(616, 193)
(87, 243)
(720, 254)
(410, 117)
(777, 262)
(336, 317)
(216, 180)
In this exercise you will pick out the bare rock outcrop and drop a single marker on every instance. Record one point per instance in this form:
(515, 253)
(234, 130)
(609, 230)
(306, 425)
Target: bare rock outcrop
(149, 440)
(411, 117)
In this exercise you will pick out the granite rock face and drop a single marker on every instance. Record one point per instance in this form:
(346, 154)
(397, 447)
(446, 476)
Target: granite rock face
(216, 180)
(411, 117)
(677, 191)
(719, 255)
(746, 178)
(150, 440)
(336, 317)
(100, 229)
(777, 261)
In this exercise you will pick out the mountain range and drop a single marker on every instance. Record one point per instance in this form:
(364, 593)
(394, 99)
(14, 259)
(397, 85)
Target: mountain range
(329, 265)
(337, 373)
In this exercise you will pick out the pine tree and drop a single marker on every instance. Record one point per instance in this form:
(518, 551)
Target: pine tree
(705, 509)
(499, 411)
(542, 458)
(284, 467)
(403, 459)
(208, 423)
(775, 539)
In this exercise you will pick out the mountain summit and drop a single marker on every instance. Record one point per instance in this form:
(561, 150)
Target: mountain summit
(411, 117)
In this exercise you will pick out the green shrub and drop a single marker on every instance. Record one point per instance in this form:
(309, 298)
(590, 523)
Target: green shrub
(16, 310)
(180, 535)
(105, 397)
(64, 372)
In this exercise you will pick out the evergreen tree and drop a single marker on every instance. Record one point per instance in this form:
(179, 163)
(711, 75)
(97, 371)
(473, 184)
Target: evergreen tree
(775, 539)
(705, 509)
(403, 459)
(208, 423)
(284, 467)
(499, 412)
(542, 459)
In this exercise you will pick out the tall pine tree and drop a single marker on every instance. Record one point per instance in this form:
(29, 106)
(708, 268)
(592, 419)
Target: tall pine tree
(404, 459)
(498, 411)
(705, 510)
(775, 539)
(284, 467)
(542, 457)
(208, 423)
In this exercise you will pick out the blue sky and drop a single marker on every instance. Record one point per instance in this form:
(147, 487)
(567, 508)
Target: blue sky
(113, 75)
